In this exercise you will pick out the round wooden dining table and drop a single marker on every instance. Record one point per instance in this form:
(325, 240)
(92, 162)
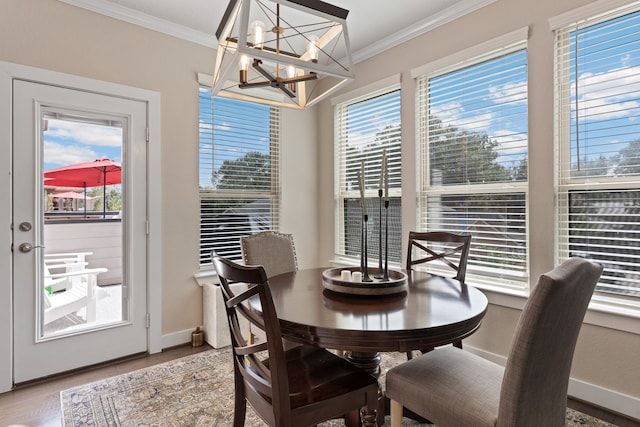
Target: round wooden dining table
(432, 311)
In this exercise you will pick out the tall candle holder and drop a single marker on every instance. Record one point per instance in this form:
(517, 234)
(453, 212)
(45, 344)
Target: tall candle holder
(385, 275)
(380, 274)
(364, 261)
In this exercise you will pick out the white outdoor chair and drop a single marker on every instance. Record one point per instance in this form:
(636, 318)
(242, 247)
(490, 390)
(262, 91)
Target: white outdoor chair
(81, 293)
(63, 263)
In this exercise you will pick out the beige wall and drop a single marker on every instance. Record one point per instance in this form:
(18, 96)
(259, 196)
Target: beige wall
(605, 357)
(55, 36)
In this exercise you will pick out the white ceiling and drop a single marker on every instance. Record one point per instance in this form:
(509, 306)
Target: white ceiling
(374, 25)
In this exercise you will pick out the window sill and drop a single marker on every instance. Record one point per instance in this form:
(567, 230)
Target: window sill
(206, 277)
(608, 314)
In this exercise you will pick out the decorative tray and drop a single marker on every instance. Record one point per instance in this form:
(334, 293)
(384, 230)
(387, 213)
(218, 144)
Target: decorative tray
(333, 281)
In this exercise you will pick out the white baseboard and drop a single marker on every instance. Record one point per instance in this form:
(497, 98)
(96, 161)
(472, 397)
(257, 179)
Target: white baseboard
(176, 338)
(609, 399)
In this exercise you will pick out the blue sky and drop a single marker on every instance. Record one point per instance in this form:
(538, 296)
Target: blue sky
(69, 142)
(238, 127)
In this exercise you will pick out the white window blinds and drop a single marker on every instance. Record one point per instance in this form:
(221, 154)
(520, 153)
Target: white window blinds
(366, 127)
(597, 127)
(473, 140)
(238, 175)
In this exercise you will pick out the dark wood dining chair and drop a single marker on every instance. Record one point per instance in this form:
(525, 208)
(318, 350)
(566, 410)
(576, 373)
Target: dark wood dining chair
(452, 387)
(450, 249)
(301, 385)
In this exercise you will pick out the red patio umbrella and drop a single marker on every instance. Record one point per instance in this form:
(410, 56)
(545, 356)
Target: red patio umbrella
(88, 174)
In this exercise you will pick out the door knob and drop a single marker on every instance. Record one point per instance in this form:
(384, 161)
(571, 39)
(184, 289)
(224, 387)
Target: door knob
(28, 247)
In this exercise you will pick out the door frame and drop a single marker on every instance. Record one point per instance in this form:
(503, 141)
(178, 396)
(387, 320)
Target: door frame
(10, 71)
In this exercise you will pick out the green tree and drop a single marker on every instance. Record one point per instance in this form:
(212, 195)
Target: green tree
(520, 171)
(594, 167)
(628, 160)
(249, 172)
(458, 156)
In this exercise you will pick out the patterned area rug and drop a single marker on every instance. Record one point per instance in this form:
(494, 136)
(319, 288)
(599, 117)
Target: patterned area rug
(195, 390)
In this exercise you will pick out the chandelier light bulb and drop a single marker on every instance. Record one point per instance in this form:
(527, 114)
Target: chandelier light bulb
(314, 52)
(243, 66)
(244, 63)
(291, 71)
(258, 34)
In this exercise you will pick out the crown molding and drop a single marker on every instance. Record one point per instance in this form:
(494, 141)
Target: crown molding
(452, 13)
(142, 19)
(136, 17)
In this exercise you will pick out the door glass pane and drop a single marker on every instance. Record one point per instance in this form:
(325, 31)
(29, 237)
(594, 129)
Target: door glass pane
(82, 223)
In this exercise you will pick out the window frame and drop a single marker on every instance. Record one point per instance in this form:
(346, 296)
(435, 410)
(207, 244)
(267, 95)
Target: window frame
(274, 195)
(504, 280)
(382, 88)
(584, 17)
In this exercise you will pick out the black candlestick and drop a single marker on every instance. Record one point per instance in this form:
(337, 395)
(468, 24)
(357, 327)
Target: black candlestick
(365, 262)
(386, 241)
(380, 274)
(362, 239)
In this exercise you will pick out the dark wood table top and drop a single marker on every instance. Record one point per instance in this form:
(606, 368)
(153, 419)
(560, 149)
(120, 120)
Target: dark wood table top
(434, 311)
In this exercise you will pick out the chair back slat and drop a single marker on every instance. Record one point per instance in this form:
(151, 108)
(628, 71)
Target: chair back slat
(450, 249)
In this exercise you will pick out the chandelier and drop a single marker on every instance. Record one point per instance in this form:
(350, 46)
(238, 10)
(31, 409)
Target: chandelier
(290, 53)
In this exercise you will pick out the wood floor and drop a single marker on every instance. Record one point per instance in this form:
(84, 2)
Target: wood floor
(38, 403)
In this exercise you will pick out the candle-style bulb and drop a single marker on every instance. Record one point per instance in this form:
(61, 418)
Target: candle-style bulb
(291, 71)
(314, 51)
(243, 66)
(259, 29)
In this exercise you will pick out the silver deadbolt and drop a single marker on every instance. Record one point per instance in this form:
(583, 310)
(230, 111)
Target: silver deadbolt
(25, 226)
(28, 247)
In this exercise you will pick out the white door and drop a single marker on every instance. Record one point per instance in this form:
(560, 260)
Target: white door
(79, 249)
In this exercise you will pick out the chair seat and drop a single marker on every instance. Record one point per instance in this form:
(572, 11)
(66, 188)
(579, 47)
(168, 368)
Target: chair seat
(318, 375)
(427, 385)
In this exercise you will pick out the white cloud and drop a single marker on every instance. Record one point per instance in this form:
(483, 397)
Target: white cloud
(452, 114)
(83, 133)
(368, 136)
(608, 95)
(60, 154)
(223, 127)
(509, 92)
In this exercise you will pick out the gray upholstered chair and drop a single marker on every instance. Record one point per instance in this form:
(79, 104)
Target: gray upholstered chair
(451, 387)
(275, 252)
(272, 250)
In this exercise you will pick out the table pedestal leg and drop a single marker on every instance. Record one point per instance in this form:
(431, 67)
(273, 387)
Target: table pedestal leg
(369, 362)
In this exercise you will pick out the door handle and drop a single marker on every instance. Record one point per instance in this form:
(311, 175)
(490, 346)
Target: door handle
(28, 247)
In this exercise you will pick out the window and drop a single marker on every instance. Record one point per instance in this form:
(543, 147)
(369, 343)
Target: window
(473, 136)
(597, 128)
(238, 176)
(366, 128)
